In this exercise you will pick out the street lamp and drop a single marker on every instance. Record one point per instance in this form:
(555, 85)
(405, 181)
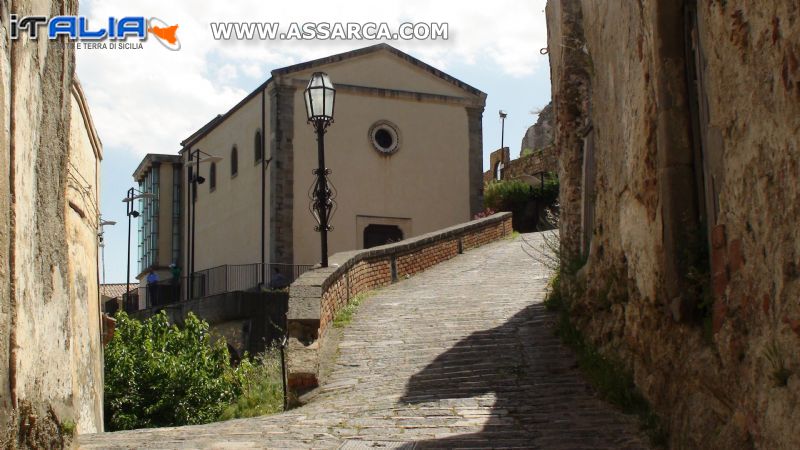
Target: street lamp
(503, 116)
(319, 98)
(133, 194)
(102, 244)
(194, 179)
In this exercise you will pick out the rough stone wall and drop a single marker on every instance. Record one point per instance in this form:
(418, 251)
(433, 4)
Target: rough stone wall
(47, 378)
(318, 295)
(528, 166)
(619, 76)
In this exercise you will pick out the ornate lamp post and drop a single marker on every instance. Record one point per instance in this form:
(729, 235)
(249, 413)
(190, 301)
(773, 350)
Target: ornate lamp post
(319, 98)
(133, 194)
(193, 165)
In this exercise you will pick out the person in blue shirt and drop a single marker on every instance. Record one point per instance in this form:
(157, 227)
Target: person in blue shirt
(152, 287)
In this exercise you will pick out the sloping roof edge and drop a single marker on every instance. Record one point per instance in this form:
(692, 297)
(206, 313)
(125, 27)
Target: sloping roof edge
(372, 49)
(83, 106)
(208, 127)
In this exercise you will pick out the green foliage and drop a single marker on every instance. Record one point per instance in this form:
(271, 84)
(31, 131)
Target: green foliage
(262, 387)
(526, 152)
(68, 428)
(158, 374)
(526, 202)
(345, 316)
(554, 301)
(507, 195)
(513, 195)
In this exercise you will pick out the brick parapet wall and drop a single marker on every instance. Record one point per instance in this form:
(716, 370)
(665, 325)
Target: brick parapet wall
(318, 295)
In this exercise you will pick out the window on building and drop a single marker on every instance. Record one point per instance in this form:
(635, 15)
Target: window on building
(212, 177)
(148, 220)
(234, 161)
(375, 235)
(259, 150)
(385, 137)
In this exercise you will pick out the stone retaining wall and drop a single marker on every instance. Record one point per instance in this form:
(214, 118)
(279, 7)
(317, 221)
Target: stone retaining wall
(526, 167)
(318, 295)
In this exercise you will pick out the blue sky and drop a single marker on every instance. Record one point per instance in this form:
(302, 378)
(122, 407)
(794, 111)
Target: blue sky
(148, 100)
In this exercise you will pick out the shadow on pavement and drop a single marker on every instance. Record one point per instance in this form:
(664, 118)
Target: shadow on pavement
(524, 387)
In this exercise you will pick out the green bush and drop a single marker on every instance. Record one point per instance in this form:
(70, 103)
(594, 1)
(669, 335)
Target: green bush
(157, 374)
(507, 195)
(526, 202)
(262, 388)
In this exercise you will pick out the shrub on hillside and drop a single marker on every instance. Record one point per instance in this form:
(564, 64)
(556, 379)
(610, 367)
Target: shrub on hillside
(157, 374)
(262, 387)
(525, 201)
(507, 195)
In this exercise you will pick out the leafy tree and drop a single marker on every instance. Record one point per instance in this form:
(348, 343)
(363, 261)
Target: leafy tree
(525, 201)
(158, 374)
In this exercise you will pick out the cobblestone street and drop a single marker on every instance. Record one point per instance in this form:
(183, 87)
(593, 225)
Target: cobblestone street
(460, 356)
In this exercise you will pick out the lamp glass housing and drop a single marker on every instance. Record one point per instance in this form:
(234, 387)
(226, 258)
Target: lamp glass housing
(320, 96)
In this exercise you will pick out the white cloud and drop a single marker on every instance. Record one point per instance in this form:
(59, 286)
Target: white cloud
(147, 101)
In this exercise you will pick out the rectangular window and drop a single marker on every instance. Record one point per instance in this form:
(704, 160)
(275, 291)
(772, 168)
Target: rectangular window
(148, 220)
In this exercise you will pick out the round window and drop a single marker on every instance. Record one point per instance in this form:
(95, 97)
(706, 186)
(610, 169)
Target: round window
(384, 137)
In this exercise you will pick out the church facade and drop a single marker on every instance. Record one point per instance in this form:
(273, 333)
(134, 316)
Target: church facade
(404, 150)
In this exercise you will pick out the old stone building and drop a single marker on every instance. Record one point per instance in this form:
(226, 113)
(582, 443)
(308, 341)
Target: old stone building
(676, 123)
(51, 374)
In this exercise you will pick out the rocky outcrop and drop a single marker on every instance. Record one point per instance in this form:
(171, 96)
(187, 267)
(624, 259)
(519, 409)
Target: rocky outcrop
(540, 134)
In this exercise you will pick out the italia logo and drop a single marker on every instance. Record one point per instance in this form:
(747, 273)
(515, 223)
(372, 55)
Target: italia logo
(77, 28)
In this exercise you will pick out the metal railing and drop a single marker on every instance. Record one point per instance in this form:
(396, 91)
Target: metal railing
(221, 280)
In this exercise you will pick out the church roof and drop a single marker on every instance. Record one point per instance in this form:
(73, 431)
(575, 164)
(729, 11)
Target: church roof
(208, 127)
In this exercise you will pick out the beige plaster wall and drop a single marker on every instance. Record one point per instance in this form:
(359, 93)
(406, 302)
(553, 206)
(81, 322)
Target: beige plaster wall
(83, 189)
(426, 180)
(228, 220)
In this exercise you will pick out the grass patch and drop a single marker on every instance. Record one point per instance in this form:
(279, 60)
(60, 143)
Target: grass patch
(345, 316)
(607, 375)
(513, 235)
(262, 387)
(68, 428)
